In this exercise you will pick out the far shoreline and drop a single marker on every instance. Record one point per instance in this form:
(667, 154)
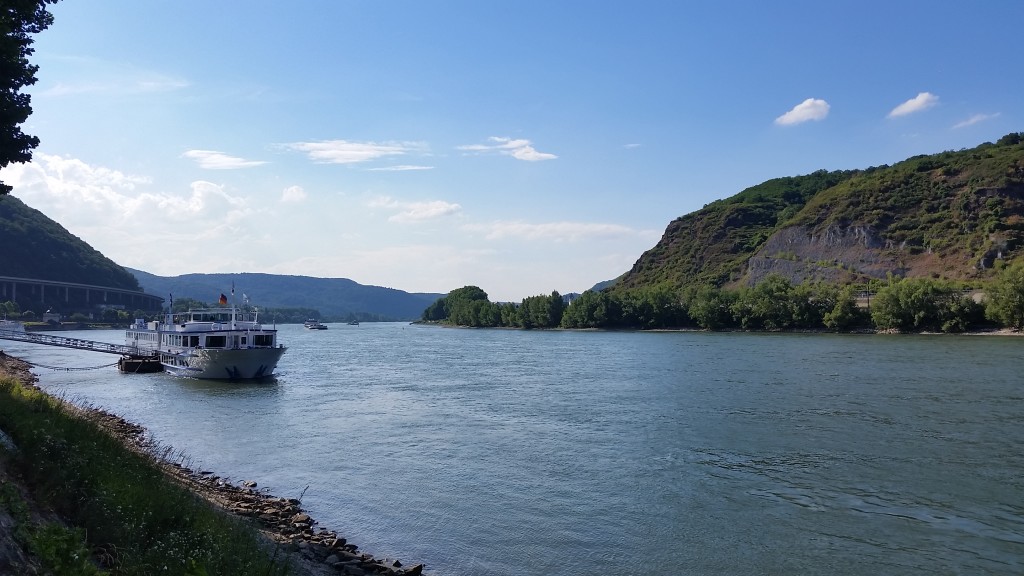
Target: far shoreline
(864, 332)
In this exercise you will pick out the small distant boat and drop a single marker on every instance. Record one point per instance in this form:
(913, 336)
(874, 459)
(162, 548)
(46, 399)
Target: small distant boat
(219, 343)
(354, 323)
(314, 324)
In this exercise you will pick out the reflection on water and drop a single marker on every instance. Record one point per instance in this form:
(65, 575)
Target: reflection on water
(560, 453)
(262, 388)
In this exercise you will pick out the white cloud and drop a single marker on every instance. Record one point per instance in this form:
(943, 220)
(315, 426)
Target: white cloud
(415, 211)
(293, 194)
(213, 160)
(922, 101)
(810, 109)
(976, 118)
(519, 149)
(127, 220)
(347, 152)
(556, 231)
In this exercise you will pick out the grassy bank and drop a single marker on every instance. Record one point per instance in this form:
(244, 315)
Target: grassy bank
(123, 514)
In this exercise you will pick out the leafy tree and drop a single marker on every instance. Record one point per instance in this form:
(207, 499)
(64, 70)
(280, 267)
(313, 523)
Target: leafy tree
(658, 306)
(437, 311)
(457, 307)
(19, 19)
(711, 308)
(1004, 298)
(768, 305)
(542, 311)
(923, 304)
(509, 315)
(11, 309)
(959, 312)
(844, 313)
(583, 311)
(811, 302)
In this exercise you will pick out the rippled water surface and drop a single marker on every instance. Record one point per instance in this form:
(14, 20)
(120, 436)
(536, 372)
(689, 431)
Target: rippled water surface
(496, 452)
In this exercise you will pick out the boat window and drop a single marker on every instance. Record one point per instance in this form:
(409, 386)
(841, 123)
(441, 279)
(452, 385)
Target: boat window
(216, 341)
(263, 340)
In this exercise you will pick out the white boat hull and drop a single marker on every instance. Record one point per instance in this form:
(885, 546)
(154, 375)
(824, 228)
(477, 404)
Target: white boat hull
(239, 364)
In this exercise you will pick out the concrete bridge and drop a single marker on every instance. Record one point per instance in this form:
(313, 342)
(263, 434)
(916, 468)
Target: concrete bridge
(71, 297)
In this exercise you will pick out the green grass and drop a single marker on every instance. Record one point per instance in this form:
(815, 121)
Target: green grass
(124, 510)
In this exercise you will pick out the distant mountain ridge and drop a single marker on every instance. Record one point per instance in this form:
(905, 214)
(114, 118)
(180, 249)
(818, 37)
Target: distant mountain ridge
(953, 215)
(335, 298)
(40, 248)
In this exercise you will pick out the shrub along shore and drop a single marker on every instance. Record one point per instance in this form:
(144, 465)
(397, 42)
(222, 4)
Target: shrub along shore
(85, 492)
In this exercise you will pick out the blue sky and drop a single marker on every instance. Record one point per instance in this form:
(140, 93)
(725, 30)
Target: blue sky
(522, 147)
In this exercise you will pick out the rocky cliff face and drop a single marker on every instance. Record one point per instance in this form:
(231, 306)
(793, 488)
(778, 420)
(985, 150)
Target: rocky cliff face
(858, 253)
(835, 254)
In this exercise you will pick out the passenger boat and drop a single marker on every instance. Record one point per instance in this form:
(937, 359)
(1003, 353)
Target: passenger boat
(314, 324)
(210, 343)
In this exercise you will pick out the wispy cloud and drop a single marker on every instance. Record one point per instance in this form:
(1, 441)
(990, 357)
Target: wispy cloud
(921, 102)
(293, 194)
(415, 211)
(975, 119)
(554, 231)
(810, 109)
(400, 168)
(519, 149)
(94, 76)
(213, 160)
(348, 152)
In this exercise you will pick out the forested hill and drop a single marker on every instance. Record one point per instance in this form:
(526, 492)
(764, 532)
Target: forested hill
(36, 247)
(334, 299)
(952, 215)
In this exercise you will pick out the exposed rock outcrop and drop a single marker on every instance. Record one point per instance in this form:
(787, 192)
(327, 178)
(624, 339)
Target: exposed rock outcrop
(834, 254)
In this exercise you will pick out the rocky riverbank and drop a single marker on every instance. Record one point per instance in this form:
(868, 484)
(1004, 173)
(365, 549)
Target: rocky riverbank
(314, 550)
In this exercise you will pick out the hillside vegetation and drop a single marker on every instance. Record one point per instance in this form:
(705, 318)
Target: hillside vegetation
(37, 247)
(953, 215)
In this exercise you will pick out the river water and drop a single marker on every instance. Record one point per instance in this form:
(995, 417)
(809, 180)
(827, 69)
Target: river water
(500, 452)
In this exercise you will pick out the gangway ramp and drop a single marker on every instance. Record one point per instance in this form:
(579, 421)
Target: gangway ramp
(76, 343)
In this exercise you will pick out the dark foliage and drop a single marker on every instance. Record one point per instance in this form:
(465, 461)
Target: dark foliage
(19, 20)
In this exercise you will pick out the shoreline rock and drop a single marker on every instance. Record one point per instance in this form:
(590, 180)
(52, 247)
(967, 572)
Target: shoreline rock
(281, 521)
